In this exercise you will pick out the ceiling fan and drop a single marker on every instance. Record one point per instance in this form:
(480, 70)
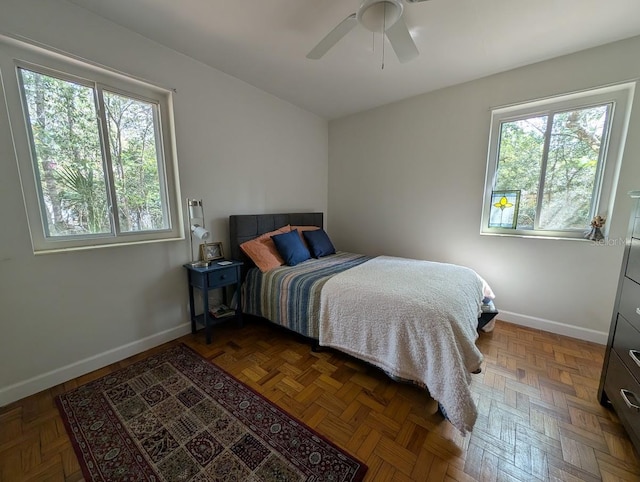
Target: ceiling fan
(376, 16)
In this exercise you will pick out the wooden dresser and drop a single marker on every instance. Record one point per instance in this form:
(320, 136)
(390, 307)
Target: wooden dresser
(620, 381)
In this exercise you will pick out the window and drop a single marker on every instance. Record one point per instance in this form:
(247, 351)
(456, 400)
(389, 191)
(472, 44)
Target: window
(96, 154)
(553, 164)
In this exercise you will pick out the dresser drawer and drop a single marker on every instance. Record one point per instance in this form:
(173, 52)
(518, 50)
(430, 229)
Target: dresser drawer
(626, 342)
(633, 265)
(224, 277)
(618, 380)
(630, 302)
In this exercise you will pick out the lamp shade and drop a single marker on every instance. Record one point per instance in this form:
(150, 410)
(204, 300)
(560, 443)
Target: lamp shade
(195, 208)
(200, 232)
(195, 211)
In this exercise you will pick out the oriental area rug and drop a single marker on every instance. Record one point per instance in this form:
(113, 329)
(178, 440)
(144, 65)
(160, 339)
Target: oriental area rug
(175, 416)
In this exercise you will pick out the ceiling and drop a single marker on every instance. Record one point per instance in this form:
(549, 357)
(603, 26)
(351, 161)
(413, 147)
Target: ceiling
(264, 42)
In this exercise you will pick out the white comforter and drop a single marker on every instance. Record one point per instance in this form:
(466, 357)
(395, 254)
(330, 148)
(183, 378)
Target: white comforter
(414, 319)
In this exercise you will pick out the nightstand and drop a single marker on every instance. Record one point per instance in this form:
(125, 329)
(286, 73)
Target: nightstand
(208, 278)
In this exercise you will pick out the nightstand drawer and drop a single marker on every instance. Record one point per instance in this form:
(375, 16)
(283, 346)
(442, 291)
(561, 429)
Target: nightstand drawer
(223, 277)
(626, 343)
(623, 391)
(630, 302)
(633, 265)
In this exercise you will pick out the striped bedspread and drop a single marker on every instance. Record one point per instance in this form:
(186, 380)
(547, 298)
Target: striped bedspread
(290, 296)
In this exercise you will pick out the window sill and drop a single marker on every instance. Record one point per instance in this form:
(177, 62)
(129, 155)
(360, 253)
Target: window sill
(540, 236)
(52, 250)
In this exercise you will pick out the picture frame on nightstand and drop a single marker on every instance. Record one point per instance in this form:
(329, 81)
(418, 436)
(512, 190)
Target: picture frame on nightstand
(211, 251)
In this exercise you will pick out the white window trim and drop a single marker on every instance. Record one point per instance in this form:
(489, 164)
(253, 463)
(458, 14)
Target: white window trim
(621, 96)
(14, 54)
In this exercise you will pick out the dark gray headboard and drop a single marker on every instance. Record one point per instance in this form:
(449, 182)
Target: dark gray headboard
(243, 227)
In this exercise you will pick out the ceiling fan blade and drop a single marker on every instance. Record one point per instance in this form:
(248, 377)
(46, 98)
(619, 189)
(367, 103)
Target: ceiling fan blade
(333, 37)
(401, 41)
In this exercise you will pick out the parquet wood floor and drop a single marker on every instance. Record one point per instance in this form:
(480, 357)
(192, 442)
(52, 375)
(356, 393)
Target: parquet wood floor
(537, 397)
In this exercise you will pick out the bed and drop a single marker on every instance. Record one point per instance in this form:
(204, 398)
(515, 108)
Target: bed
(416, 320)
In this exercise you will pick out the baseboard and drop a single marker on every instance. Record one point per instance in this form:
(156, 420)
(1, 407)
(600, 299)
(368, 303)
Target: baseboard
(60, 375)
(554, 327)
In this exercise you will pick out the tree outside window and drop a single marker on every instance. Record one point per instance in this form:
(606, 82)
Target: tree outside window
(558, 156)
(99, 170)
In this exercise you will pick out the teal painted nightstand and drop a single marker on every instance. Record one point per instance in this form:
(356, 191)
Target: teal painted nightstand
(208, 278)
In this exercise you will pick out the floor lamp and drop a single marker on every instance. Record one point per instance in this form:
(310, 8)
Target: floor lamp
(196, 227)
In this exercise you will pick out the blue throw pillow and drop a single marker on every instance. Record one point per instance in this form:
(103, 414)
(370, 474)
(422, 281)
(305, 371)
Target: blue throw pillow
(291, 247)
(319, 243)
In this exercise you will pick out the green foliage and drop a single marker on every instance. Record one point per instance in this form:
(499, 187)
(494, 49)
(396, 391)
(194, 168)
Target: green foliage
(68, 151)
(570, 166)
(135, 165)
(82, 196)
(519, 163)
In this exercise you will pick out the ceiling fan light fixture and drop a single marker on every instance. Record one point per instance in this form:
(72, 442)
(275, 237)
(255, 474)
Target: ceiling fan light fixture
(376, 15)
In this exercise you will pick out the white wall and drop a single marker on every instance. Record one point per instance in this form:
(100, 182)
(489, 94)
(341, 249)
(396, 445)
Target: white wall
(239, 149)
(407, 179)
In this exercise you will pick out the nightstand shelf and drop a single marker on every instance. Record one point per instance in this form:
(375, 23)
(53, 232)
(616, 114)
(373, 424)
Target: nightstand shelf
(214, 276)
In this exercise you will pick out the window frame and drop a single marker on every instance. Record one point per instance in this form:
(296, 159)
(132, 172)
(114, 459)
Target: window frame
(620, 96)
(15, 54)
